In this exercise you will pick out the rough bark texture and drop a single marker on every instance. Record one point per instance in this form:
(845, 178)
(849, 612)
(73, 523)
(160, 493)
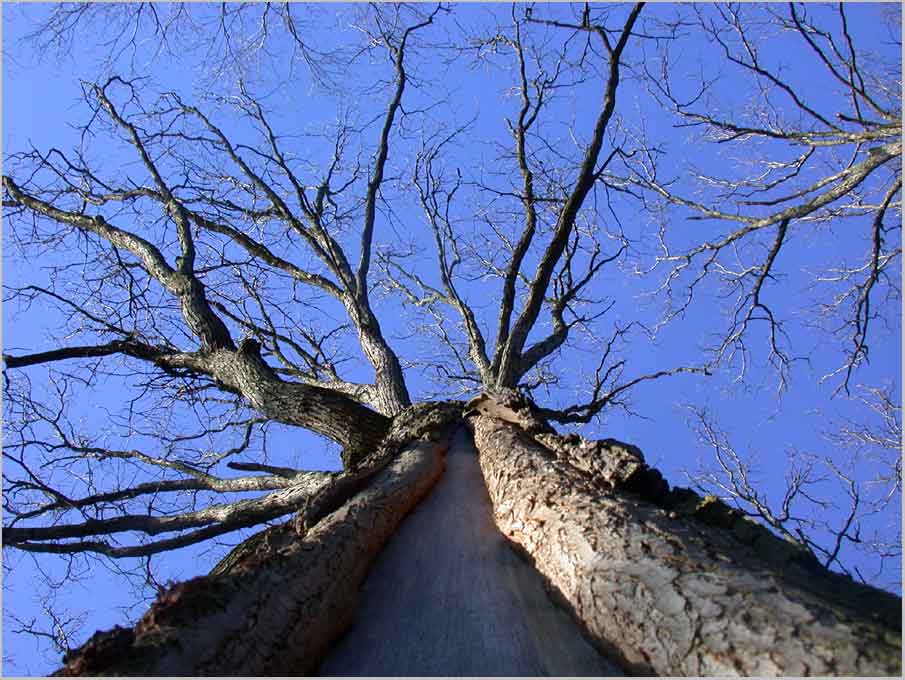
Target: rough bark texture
(430, 420)
(278, 611)
(662, 581)
(333, 415)
(669, 583)
(390, 395)
(425, 420)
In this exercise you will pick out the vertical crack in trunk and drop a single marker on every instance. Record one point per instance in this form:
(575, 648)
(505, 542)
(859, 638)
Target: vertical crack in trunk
(449, 596)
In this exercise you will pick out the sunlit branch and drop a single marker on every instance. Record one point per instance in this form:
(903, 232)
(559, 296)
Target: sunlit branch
(234, 515)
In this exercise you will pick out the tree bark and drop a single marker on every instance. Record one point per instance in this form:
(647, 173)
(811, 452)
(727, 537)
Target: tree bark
(357, 428)
(450, 581)
(390, 393)
(662, 581)
(656, 584)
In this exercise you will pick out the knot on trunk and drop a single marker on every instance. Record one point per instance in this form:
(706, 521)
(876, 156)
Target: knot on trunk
(510, 406)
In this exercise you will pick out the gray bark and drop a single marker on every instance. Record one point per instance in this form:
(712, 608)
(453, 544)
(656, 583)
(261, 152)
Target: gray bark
(248, 512)
(325, 411)
(661, 590)
(508, 359)
(449, 596)
(239, 369)
(390, 395)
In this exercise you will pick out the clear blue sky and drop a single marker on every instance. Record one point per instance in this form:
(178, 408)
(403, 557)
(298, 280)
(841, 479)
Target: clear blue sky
(41, 98)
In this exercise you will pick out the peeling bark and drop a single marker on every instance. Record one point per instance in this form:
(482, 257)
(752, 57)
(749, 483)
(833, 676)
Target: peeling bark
(662, 590)
(276, 617)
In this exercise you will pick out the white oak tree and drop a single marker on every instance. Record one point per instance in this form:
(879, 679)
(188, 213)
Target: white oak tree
(213, 253)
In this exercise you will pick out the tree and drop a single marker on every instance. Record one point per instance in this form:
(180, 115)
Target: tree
(225, 267)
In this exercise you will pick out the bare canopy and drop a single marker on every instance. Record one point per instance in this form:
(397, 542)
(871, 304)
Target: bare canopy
(324, 233)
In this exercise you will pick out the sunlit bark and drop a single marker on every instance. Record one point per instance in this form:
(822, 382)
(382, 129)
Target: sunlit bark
(664, 592)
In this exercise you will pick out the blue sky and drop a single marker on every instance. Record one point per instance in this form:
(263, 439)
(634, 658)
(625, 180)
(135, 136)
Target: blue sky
(41, 103)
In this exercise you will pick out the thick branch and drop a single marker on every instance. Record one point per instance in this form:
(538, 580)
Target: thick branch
(523, 122)
(82, 352)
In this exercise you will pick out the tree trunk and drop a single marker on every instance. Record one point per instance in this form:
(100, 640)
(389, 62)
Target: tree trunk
(662, 582)
(448, 596)
(657, 585)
